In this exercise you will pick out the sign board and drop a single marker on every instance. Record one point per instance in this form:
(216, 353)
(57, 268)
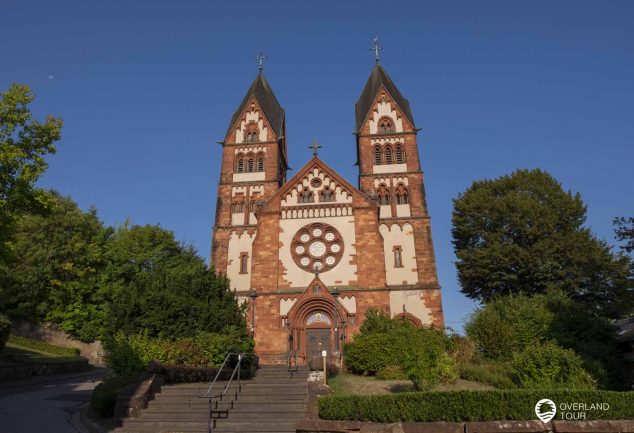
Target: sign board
(323, 353)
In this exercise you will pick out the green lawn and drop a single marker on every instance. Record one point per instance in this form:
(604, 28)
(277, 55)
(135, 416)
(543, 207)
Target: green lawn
(23, 350)
(347, 384)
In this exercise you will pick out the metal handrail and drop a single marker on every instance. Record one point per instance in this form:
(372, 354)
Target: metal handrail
(211, 396)
(289, 367)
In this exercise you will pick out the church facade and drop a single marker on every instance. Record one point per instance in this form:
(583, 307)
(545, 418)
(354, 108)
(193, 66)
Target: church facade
(311, 254)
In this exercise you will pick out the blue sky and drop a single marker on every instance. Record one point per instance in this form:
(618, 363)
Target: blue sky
(146, 88)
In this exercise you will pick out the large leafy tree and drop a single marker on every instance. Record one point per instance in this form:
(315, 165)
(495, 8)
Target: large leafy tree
(625, 232)
(23, 144)
(161, 287)
(523, 233)
(55, 274)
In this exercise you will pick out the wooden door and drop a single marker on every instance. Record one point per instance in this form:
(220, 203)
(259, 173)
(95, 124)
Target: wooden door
(316, 341)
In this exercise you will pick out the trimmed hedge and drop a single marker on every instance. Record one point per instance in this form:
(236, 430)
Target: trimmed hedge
(42, 346)
(5, 330)
(497, 405)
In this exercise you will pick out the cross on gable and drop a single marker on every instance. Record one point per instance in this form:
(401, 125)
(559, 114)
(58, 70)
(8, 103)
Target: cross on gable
(315, 146)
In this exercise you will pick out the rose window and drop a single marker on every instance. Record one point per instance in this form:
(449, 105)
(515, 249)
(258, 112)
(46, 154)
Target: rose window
(317, 247)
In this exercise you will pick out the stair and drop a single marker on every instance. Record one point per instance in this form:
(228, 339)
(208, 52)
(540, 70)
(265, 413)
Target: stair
(271, 402)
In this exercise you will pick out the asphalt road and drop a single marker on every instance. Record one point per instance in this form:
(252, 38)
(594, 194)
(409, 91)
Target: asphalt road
(45, 404)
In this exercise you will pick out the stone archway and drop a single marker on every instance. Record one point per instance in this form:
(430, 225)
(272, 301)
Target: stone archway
(314, 323)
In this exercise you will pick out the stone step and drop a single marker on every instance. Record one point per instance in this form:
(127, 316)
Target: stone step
(139, 425)
(238, 407)
(293, 393)
(231, 415)
(245, 385)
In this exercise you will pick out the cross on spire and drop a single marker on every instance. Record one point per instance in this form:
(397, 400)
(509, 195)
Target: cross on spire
(260, 60)
(315, 146)
(376, 48)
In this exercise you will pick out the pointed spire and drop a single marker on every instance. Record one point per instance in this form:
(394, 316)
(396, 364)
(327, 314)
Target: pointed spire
(272, 110)
(379, 78)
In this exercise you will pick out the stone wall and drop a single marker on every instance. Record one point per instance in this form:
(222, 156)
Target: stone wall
(320, 426)
(49, 333)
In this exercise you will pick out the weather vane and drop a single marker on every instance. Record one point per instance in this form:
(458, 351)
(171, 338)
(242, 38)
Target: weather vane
(315, 146)
(260, 60)
(376, 48)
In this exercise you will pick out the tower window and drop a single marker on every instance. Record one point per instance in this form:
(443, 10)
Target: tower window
(385, 126)
(388, 155)
(398, 257)
(402, 195)
(239, 163)
(260, 162)
(378, 157)
(238, 207)
(384, 195)
(244, 261)
(400, 156)
(250, 165)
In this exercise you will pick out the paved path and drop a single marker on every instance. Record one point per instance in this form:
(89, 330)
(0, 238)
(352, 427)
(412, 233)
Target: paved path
(44, 404)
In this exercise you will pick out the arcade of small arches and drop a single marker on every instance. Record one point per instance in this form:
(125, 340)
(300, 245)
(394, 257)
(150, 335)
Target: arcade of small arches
(399, 192)
(389, 154)
(239, 204)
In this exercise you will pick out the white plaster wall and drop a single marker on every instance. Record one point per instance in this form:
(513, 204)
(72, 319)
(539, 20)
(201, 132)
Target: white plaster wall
(389, 168)
(414, 304)
(286, 305)
(255, 116)
(402, 210)
(385, 140)
(237, 219)
(384, 108)
(385, 211)
(349, 303)
(343, 274)
(389, 181)
(247, 149)
(393, 236)
(341, 195)
(249, 177)
(239, 244)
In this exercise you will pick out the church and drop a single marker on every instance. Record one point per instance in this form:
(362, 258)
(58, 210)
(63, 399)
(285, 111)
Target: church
(311, 254)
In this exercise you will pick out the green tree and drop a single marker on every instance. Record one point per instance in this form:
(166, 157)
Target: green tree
(23, 144)
(163, 288)
(522, 233)
(625, 232)
(55, 276)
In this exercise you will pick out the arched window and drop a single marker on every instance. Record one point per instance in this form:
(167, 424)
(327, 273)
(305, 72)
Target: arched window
(402, 195)
(250, 163)
(388, 155)
(384, 195)
(327, 195)
(252, 206)
(400, 155)
(252, 134)
(385, 126)
(239, 163)
(260, 161)
(398, 257)
(244, 262)
(238, 207)
(306, 196)
(377, 156)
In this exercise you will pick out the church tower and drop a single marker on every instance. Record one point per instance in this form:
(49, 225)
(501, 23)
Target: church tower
(254, 166)
(390, 172)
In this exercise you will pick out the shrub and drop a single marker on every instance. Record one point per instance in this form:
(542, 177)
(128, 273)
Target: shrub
(492, 373)
(391, 372)
(128, 355)
(377, 321)
(460, 406)
(42, 346)
(104, 396)
(5, 330)
(508, 324)
(548, 366)
(420, 352)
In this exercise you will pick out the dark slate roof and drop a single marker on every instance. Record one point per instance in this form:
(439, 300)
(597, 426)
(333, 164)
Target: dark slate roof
(379, 78)
(261, 90)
